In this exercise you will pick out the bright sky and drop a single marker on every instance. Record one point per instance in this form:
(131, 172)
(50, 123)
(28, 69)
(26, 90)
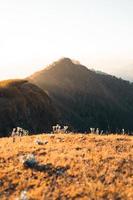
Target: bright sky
(34, 33)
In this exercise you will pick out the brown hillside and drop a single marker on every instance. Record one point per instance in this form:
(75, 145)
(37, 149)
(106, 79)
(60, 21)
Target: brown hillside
(26, 105)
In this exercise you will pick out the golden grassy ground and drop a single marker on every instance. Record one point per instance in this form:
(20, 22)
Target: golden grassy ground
(71, 167)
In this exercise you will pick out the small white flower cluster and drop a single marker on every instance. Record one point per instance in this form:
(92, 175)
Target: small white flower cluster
(23, 195)
(19, 132)
(92, 130)
(97, 131)
(58, 129)
(123, 131)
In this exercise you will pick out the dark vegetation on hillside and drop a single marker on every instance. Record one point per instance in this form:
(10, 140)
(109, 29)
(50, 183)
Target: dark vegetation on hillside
(25, 105)
(85, 98)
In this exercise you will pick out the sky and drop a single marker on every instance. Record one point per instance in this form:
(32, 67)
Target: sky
(34, 33)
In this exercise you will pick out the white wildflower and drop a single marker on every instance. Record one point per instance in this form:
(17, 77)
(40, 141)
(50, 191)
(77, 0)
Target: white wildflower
(23, 195)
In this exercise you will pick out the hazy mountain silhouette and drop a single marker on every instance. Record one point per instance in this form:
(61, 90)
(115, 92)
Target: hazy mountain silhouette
(25, 105)
(85, 98)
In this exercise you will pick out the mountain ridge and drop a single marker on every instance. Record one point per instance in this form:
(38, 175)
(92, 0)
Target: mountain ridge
(25, 105)
(85, 98)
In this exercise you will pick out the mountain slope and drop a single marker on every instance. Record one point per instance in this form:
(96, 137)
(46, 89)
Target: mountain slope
(26, 105)
(85, 98)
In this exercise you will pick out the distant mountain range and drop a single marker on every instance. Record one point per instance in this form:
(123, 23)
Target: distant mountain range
(67, 93)
(85, 98)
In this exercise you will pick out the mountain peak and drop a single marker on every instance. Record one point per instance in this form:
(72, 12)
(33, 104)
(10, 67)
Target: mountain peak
(65, 60)
(85, 98)
(65, 64)
(64, 67)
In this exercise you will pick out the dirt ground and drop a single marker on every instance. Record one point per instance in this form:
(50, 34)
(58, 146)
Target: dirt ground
(69, 166)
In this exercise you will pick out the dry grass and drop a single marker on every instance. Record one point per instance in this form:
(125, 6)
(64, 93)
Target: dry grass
(69, 167)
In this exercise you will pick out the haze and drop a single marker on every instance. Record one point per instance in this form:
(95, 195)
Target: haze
(34, 33)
